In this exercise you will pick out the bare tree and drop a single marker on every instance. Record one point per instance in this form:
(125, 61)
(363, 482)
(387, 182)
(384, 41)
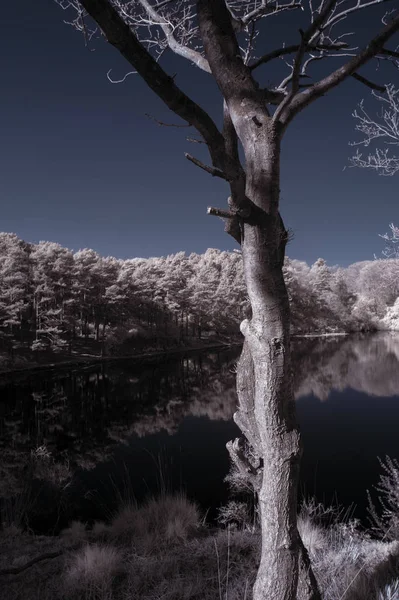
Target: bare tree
(392, 248)
(384, 126)
(220, 37)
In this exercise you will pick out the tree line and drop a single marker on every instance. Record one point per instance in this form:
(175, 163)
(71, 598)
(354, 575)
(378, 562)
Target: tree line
(52, 298)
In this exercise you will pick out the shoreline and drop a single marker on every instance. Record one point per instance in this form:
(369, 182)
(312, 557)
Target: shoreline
(312, 335)
(87, 360)
(92, 360)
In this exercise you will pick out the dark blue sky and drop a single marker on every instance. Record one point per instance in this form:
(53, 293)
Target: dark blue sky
(82, 165)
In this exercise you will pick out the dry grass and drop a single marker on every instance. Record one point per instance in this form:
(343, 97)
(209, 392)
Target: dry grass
(390, 591)
(100, 530)
(216, 567)
(90, 572)
(162, 550)
(348, 564)
(76, 532)
(313, 536)
(167, 554)
(164, 520)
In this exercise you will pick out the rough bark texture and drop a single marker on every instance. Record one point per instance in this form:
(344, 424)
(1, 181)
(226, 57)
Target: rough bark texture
(266, 412)
(267, 336)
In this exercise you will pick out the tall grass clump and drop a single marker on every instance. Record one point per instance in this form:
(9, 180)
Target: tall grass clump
(386, 524)
(91, 571)
(76, 532)
(220, 566)
(167, 519)
(347, 562)
(390, 591)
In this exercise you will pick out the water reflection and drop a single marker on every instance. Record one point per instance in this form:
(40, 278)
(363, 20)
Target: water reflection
(113, 420)
(366, 363)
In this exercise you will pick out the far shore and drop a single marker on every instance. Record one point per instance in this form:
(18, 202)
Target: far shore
(88, 360)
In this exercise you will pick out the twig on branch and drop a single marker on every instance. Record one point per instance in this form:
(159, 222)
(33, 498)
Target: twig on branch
(392, 53)
(373, 48)
(219, 212)
(119, 80)
(168, 30)
(269, 8)
(214, 171)
(120, 35)
(158, 122)
(294, 48)
(160, 4)
(194, 140)
(370, 84)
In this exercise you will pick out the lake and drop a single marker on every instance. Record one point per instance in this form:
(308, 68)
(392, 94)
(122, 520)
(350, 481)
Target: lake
(123, 428)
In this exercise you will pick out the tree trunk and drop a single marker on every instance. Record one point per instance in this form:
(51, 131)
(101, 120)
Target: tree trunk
(267, 336)
(266, 413)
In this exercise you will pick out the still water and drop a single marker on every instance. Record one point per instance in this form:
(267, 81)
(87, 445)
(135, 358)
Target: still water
(123, 428)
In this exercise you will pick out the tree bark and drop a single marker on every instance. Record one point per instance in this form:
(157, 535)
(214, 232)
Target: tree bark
(271, 455)
(267, 337)
(264, 383)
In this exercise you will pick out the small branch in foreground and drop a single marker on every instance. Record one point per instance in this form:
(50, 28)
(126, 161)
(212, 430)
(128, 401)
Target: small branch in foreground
(370, 84)
(219, 212)
(166, 124)
(215, 172)
(294, 48)
(194, 140)
(119, 80)
(232, 225)
(392, 53)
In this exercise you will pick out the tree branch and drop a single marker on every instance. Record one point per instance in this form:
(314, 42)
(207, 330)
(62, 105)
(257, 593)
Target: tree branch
(388, 52)
(163, 124)
(223, 54)
(119, 34)
(174, 45)
(214, 171)
(306, 37)
(370, 84)
(219, 212)
(294, 48)
(267, 8)
(309, 95)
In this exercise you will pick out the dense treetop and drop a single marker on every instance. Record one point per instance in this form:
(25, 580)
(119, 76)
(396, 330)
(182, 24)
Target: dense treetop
(51, 297)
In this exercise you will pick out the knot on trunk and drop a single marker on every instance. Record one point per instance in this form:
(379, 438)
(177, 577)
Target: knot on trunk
(248, 471)
(277, 346)
(250, 334)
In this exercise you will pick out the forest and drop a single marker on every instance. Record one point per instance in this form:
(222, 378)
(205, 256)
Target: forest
(54, 299)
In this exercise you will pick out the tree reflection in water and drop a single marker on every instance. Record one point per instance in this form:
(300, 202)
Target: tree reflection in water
(115, 420)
